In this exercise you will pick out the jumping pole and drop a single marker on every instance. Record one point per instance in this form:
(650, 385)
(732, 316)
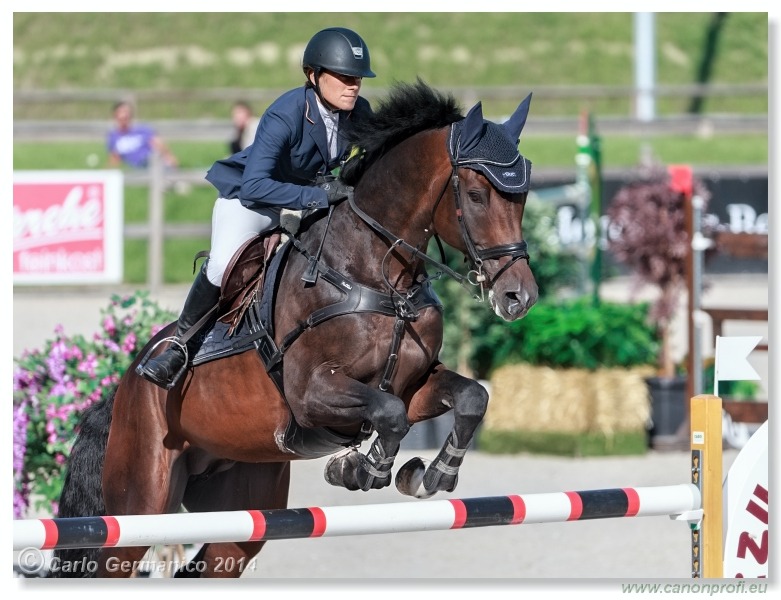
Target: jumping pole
(257, 525)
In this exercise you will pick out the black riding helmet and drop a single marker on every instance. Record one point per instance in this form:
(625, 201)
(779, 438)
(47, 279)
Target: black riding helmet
(339, 50)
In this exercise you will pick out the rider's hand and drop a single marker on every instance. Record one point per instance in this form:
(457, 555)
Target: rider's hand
(335, 190)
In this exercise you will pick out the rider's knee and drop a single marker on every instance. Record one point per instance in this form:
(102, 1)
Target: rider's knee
(215, 268)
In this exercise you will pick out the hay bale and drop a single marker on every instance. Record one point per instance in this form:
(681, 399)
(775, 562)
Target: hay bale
(535, 398)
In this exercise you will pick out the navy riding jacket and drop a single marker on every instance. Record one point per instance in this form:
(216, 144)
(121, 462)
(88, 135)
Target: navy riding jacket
(290, 150)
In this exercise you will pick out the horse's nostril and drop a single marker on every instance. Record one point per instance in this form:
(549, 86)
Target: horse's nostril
(519, 301)
(514, 303)
(517, 297)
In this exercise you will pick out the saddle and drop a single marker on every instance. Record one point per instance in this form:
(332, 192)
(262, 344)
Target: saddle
(244, 276)
(248, 282)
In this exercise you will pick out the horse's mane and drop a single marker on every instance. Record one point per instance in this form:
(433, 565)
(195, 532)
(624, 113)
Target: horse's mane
(408, 109)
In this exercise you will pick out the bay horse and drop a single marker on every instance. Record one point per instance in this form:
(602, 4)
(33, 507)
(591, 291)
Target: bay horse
(350, 352)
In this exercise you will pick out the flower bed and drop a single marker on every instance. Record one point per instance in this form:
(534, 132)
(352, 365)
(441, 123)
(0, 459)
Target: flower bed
(53, 386)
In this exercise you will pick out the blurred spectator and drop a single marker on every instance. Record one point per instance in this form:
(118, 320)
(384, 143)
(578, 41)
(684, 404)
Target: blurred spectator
(132, 144)
(245, 123)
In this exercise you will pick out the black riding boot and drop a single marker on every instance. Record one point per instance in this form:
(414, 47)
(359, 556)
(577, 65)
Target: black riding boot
(163, 369)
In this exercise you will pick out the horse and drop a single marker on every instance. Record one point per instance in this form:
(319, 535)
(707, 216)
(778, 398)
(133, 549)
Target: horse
(349, 352)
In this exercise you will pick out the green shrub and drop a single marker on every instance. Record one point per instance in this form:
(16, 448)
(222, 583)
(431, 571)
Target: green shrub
(733, 390)
(575, 334)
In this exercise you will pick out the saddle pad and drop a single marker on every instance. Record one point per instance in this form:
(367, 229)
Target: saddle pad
(216, 343)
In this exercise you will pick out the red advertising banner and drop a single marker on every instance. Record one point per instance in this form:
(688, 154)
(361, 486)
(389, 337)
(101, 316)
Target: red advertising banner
(68, 227)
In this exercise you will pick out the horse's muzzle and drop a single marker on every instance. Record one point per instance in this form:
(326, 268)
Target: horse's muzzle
(512, 304)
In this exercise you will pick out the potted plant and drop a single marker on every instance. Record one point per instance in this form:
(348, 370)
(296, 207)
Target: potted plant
(648, 234)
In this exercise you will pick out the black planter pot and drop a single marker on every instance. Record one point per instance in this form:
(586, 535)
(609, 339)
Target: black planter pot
(668, 409)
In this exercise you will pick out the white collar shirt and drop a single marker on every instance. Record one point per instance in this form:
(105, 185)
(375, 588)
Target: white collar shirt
(331, 121)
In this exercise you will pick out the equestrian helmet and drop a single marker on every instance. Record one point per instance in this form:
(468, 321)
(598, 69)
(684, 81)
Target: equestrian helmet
(339, 50)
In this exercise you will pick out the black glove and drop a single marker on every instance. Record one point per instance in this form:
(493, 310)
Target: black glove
(336, 190)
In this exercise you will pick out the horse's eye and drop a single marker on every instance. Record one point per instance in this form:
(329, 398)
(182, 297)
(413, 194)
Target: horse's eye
(476, 196)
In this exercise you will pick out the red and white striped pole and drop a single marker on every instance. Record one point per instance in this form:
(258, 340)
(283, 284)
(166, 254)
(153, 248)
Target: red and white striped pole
(256, 525)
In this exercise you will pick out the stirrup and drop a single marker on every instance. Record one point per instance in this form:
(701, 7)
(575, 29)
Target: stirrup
(140, 370)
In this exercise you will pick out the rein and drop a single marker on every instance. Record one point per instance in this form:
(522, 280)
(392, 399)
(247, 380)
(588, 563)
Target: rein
(397, 242)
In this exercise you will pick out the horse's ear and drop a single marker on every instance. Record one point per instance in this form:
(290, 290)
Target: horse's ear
(472, 129)
(514, 125)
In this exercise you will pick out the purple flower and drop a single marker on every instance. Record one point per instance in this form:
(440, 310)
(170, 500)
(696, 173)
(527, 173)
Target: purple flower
(53, 387)
(20, 447)
(19, 505)
(20, 436)
(111, 345)
(74, 352)
(67, 387)
(89, 365)
(129, 343)
(23, 379)
(55, 363)
(109, 326)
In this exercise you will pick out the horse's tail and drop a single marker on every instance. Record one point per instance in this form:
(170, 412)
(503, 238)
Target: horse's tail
(82, 491)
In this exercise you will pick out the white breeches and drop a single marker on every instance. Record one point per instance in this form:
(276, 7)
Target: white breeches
(232, 225)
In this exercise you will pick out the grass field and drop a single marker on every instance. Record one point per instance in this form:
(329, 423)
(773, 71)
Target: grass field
(547, 151)
(187, 51)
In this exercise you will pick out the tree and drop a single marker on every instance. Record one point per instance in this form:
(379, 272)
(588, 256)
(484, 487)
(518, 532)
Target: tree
(648, 234)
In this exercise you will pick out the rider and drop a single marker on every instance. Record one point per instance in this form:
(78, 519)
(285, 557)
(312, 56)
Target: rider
(296, 142)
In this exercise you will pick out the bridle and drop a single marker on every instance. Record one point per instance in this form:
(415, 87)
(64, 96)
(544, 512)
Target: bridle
(475, 276)
(516, 250)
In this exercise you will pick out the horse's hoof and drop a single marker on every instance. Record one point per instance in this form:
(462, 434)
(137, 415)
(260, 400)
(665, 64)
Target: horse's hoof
(409, 478)
(340, 469)
(351, 471)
